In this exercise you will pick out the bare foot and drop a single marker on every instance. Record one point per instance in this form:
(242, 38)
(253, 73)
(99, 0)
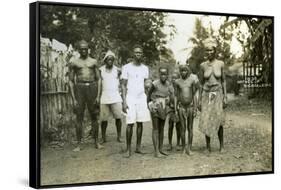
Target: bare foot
(77, 149)
(189, 152)
(222, 150)
(98, 146)
(127, 154)
(119, 139)
(158, 155)
(207, 152)
(139, 152)
(170, 147)
(162, 152)
(103, 141)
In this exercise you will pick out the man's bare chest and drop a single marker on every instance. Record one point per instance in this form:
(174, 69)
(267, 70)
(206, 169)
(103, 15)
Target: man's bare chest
(84, 65)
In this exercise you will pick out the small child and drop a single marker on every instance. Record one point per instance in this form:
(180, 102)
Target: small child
(186, 88)
(174, 119)
(159, 96)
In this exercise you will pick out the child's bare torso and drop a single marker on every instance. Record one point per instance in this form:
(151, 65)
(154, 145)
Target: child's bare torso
(185, 91)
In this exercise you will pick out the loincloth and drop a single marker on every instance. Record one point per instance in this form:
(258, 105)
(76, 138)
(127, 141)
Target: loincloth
(185, 111)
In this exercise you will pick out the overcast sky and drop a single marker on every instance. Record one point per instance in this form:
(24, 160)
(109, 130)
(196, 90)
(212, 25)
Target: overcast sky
(184, 24)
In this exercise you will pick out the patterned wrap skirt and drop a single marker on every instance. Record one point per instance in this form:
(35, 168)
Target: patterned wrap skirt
(159, 108)
(212, 114)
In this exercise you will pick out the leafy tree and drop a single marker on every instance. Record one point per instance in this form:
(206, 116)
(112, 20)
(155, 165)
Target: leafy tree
(223, 38)
(258, 45)
(115, 29)
(197, 52)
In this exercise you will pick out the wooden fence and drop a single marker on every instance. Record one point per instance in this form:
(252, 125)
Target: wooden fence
(56, 103)
(257, 79)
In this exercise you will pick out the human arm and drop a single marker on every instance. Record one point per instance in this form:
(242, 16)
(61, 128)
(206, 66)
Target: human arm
(195, 93)
(99, 87)
(176, 92)
(72, 83)
(223, 80)
(200, 86)
(150, 91)
(124, 83)
(98, 79)
(124, 86)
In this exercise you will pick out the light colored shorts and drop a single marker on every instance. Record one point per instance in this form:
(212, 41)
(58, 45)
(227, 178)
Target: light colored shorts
(137, 111)
(110, 110)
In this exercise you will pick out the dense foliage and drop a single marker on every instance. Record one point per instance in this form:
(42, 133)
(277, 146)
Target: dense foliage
(115, 29)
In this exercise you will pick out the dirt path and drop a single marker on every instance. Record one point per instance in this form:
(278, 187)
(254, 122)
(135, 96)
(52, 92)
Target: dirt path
(247, 145)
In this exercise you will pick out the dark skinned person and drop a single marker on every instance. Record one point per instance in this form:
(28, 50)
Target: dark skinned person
(84, 88)
(134, 75)
(186, 101)
(159, 96)
(110, 98)
(213, 97)
(174, 119)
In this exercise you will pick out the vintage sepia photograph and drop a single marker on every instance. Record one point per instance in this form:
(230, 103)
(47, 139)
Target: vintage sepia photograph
(135, 94)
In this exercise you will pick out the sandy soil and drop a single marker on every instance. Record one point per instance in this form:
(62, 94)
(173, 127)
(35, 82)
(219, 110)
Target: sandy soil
(248, 148)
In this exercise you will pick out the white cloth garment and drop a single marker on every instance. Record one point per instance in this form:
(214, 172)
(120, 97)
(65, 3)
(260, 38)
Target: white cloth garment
(110, 86)
(136, 97)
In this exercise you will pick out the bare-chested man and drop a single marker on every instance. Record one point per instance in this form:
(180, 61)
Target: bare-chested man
(84, 79)
(186, 88)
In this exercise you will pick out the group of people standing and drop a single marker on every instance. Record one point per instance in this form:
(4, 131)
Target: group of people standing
(108, 91)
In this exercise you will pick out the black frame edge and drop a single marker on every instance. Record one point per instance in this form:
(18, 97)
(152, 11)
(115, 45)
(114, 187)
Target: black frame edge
(34, 166)
(34, 96)
(121, 7)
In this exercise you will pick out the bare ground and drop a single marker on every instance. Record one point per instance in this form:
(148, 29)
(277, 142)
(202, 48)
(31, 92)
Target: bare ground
(248, 148)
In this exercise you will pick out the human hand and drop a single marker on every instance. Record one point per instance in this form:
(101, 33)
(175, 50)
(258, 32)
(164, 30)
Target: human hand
(97, 101)
(224, 102)
(194, 111)
(199, 106)
(167, 101)
(124, 107)
(75, 103)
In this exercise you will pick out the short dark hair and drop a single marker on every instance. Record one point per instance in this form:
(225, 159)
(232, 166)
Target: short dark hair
(185, 66)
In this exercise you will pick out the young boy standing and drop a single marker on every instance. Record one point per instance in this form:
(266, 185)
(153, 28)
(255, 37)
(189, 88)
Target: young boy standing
(159, 96)
(186, 88)
(174, 119)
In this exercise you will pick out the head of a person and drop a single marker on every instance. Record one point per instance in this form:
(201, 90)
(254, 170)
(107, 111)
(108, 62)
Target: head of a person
(83, 49)
(163, 74)
(138, 53)
(175, 76)
(109, 59)
(184, 71)
(210, 48)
